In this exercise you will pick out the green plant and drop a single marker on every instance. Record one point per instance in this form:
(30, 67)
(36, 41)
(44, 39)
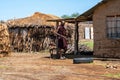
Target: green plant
(2, 66)
(88, 44)
(113, 75)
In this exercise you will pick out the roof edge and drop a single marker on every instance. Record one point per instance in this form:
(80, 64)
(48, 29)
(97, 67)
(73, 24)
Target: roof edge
(89, 13)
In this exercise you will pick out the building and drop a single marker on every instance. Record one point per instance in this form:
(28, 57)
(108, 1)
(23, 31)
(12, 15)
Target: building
(31, 33)
(106, 22)
(85, 31)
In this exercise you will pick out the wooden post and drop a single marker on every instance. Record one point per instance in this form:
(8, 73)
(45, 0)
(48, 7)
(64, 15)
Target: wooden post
(76, 38)
(57, 24)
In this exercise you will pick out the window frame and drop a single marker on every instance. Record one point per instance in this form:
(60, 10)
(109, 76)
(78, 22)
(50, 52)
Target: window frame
(113, 27)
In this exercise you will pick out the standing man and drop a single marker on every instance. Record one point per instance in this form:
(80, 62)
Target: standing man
(62, 42)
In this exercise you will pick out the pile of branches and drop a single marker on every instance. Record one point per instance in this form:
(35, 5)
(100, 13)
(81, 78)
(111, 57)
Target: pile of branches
(4, 40)
(33, 37)
(29, 39)
(83, 50)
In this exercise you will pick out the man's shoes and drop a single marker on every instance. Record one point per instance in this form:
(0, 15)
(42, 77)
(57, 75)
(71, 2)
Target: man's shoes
(62, 58)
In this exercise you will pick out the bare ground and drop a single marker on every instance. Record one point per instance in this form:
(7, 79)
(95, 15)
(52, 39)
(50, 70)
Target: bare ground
(29, 66)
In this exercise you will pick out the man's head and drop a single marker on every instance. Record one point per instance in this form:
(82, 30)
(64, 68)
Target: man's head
(62, 23)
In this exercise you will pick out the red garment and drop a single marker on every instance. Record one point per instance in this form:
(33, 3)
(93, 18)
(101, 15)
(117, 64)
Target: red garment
(62, 42)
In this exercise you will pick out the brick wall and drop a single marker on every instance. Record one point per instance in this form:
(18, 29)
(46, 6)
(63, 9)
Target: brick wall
(103, 46)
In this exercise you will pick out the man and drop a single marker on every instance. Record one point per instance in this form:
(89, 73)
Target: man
(62, 42)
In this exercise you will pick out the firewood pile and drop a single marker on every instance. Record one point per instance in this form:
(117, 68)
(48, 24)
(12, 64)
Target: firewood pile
(31, 33)
(32, 38)
(4, 40)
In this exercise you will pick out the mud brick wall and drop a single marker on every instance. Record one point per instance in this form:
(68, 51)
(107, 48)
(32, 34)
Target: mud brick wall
(105, 47)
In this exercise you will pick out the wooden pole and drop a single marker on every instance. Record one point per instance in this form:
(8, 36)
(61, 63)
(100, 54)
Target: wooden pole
(76, 38)
(57, 24)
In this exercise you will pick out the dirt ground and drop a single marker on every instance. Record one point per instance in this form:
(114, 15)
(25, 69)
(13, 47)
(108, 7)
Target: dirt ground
(36, 66)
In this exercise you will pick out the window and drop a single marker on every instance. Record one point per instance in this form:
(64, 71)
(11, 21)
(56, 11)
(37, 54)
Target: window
(87, 32)
(113, 27)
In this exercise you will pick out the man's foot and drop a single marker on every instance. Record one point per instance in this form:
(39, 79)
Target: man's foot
(62, 57)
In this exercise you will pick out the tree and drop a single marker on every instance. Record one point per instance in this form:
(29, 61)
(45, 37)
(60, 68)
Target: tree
(74, 15)
(65, 16)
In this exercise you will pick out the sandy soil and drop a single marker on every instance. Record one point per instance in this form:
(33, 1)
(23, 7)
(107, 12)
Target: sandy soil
(31, 66)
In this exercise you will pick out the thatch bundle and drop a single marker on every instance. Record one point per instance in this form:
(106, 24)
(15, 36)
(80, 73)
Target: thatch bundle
(4, 40)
